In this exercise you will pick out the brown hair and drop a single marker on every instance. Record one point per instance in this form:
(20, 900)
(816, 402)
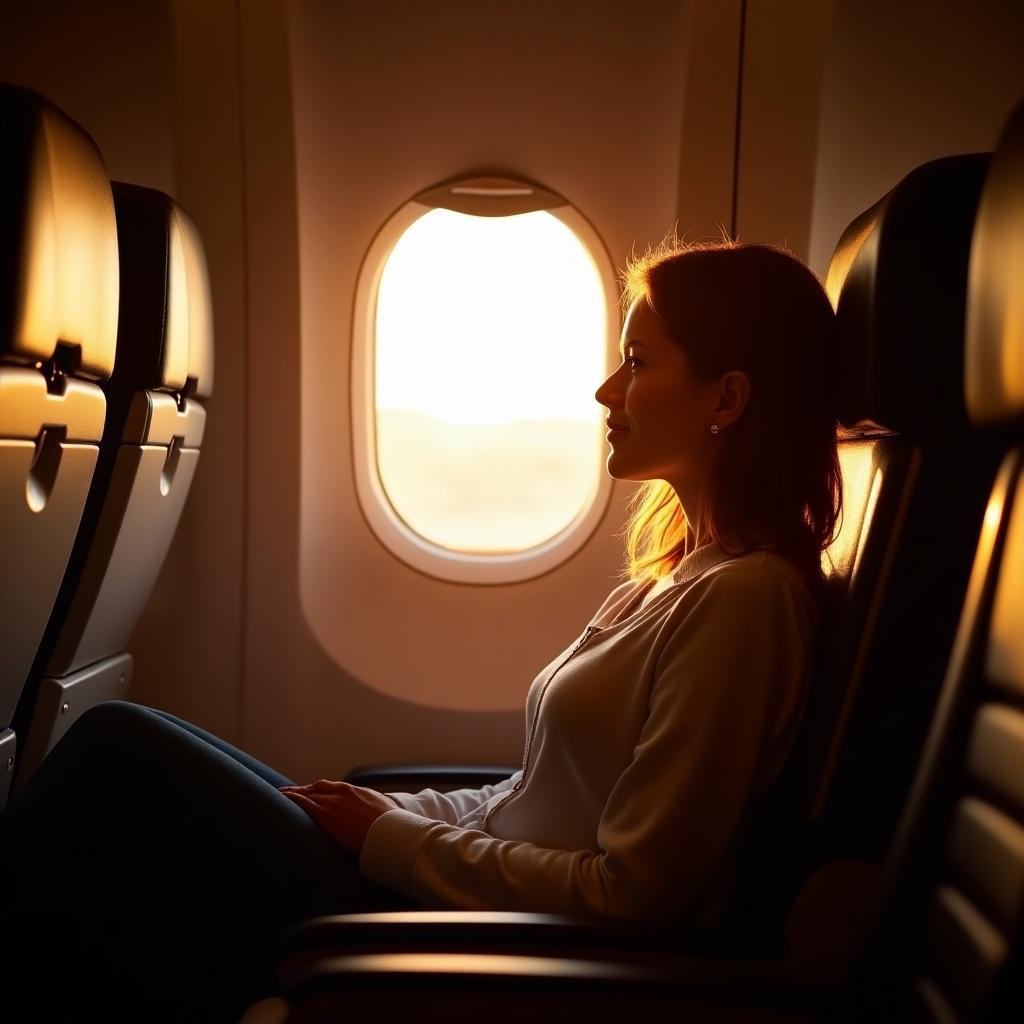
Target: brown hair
(775, 479)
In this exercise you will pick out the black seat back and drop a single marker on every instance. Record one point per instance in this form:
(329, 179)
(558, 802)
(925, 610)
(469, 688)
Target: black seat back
(949, 940)
(900, 277)
(899, 281)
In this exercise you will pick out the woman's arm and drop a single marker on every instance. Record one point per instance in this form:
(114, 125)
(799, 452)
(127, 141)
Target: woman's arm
(451, 807)
(728, 690)
(346, 812)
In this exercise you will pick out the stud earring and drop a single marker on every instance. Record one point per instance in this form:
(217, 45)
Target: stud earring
(714, 430)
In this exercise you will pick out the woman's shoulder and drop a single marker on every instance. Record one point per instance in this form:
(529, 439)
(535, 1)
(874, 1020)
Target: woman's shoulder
(744, 579)
(762, 568)
(758, 601)
(761, 578)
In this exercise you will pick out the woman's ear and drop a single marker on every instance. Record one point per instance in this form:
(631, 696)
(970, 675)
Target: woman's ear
(733, 394)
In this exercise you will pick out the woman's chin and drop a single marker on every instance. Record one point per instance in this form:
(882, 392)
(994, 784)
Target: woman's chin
(618, 469)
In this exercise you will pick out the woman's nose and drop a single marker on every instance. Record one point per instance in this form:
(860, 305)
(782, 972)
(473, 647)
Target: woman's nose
(607, 393)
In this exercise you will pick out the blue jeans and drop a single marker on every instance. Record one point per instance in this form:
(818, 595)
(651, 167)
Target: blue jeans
(147, 869)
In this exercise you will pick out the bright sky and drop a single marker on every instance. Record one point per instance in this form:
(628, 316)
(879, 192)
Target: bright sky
(491, 320)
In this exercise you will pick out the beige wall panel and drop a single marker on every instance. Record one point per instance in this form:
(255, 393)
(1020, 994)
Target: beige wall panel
(906, 83)
(707, 142)
(188, 645)
(782, 70)
(108, 64)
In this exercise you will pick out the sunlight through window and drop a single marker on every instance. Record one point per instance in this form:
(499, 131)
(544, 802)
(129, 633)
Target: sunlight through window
(490, 340)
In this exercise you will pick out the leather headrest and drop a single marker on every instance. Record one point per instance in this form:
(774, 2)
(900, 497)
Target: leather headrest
(898, 280)
(165, 340)
(995, 303)
(58, 241)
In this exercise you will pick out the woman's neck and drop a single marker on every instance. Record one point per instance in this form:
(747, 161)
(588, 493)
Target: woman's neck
(689, 497)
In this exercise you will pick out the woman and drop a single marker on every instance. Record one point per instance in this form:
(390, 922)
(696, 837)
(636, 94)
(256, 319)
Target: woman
(649, 740)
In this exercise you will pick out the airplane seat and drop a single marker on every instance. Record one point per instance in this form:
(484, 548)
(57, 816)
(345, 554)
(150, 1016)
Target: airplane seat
(58, 325)
(899, 566)
(950, 940)
(149, 452)
(896, 577)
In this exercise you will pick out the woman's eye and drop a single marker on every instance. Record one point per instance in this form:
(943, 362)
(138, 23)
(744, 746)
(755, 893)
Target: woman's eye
(632, 362)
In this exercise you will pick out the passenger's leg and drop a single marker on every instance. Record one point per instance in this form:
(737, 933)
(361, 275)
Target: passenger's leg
(266, 773)
(174, 864)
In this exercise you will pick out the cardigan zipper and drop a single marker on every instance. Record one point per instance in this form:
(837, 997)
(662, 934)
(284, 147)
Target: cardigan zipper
(587, 634)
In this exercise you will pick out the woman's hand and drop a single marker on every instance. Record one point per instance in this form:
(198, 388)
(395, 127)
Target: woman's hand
(345, 812)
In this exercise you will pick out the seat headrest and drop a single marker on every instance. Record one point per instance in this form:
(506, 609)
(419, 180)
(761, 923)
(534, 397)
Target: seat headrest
(898, 280)
(165, 339)
(994, 358)
(58, 241)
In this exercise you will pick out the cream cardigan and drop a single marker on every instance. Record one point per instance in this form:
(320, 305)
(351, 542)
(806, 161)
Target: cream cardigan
(646, 741)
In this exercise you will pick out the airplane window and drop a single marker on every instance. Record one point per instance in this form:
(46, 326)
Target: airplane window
(484, 339)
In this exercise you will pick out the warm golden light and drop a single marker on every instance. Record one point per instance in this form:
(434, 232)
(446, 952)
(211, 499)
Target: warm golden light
(490, 343)
(860, 482)
(1004, 660)
(993, 514)
(867, 516)
(1011, 347)
(845, 256)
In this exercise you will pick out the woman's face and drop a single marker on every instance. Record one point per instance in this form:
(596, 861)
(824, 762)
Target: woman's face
(659, 412)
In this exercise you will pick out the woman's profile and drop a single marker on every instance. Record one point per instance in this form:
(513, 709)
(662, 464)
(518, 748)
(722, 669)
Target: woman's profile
(145, 849)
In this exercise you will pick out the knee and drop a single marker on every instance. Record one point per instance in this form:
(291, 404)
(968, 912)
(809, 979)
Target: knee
(101, 738)
(109, 711)
(110, 720)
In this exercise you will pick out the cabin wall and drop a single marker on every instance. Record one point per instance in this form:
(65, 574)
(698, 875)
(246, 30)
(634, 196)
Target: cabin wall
(189, 644)
(257, 116)
(906, 83)
(778, 120)
(109, 64)
(379, 115)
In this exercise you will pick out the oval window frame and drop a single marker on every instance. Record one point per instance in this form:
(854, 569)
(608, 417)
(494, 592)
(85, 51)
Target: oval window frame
(478, 196)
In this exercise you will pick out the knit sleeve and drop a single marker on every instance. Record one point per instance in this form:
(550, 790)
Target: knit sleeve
(450, 807)
(728, 687)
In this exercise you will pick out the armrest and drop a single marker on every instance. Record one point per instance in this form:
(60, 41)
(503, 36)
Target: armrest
(511, 988)
(512, 964)
(824, 934)
(411, 778)
(450, 931)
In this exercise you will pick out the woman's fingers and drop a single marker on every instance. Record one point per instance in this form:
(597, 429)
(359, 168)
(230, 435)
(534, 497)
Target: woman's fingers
(303, 799)
(343, 811)
(311, 806)
(311, 802)
(319, 786)
(329, 812)
(322, 785)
